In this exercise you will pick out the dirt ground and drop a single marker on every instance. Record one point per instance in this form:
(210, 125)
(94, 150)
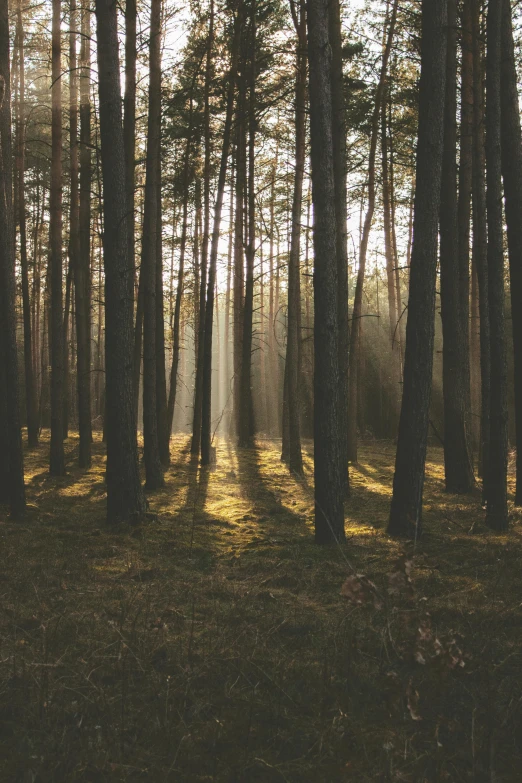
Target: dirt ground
(212, 643)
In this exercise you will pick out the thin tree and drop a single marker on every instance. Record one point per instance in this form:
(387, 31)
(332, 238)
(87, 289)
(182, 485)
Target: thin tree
(341, 212)
(125, 499)
(200, 331)
(291, 445)
(408, 482)
(329, 512)
(10, 412)
(512, 176)
(31, 400)
(57, 458)
(176, 342)
(246, 404)
(480, 242)
(457, 458)
(148, 271)
(82, 269)
(496, 498)
(464, 203)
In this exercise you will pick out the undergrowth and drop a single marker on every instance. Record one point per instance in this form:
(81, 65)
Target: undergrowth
(213, 644)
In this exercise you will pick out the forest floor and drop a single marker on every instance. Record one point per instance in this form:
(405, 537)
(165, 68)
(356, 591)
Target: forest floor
(213, 643)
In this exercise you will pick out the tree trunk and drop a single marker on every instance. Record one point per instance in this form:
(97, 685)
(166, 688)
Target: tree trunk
(512, 175)
(181, 278)
(57, 460)
(200, 361)
(125, 499)
(464, 205)
(496, 514)
(31, 399)
(10, 406)
(480, 242)
(161, 373)
(457, 458)
(82, 279)
(392, 418)
(239, 273)
(66, 346)
(341, 212)
(329, 512)
(291, 446)
(153, 467)
(406, 506)
(246, 411)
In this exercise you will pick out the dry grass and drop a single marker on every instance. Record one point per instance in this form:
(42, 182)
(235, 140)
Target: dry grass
(213, 644)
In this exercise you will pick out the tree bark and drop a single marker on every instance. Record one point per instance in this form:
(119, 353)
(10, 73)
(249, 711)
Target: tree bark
(82, 279)
(464, 203)
(496, 506)
(480, 241)
(125, 499)
(153, 465)
(181, 279)
(457, 458)
(198, 394)
(246, 405)
(392, 418)
(10, 405)
(31, 399)
(512, 176)
(57, 459)
(329, 512)
(291, 446)
(408, 482)
(341, 212)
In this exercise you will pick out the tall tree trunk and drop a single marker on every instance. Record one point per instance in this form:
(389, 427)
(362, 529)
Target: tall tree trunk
(457, 458)
(66, 348)
(480, 241)
(246, 408)
(355, 335)
(408, 482)
(10, 405)
(198, 395)
(329, 511)
(464, 204)
(31, 399)
(291, 446)
(153, 467)
(161, 372)
(391, 279)
(496, 514)
(181, 279)
(82, 279)
(341, 212)
(125, 499)
(512, 175)
(129, 115)
(228, 418)
(239, 242)
(57, 459)
(273, 391)
(209, 308)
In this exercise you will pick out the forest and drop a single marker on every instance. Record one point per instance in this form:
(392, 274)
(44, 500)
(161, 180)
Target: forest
(260, 391)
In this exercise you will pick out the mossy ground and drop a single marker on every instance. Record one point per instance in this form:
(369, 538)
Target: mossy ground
(213, 645)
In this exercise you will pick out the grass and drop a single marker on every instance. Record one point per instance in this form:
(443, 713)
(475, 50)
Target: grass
(213, 644)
